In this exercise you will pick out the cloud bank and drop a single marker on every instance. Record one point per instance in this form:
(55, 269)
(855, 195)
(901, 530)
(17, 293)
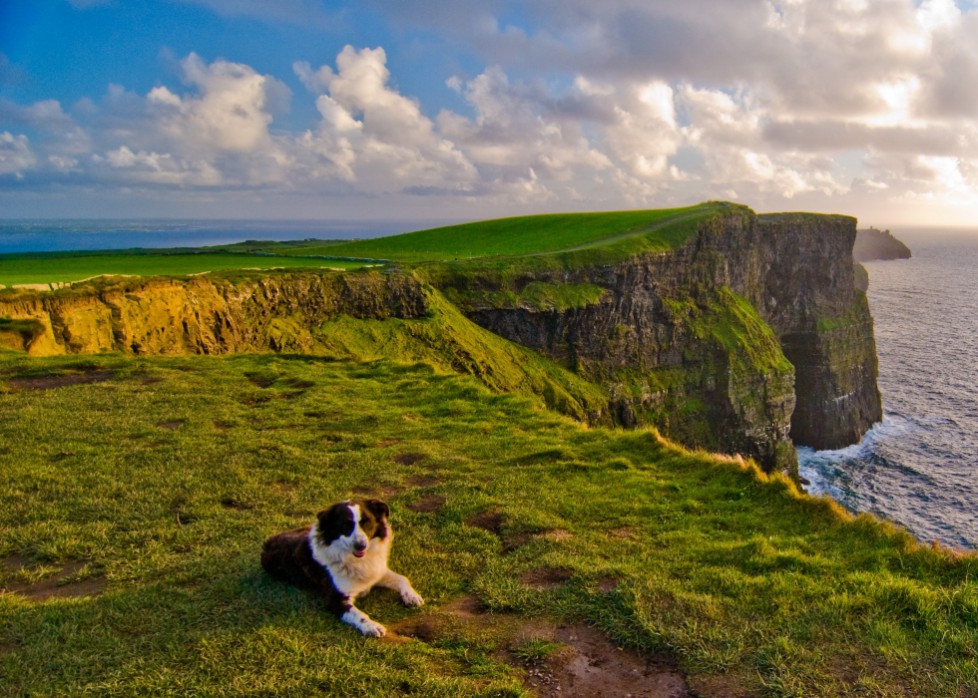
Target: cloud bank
(850, 105)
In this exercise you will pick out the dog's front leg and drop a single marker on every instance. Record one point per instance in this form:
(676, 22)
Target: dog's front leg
(400, 584)
(362, 622)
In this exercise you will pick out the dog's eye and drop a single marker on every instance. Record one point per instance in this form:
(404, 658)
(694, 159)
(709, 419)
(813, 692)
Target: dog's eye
(364, 521)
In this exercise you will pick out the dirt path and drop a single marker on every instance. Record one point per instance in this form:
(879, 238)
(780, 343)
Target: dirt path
(558, 659)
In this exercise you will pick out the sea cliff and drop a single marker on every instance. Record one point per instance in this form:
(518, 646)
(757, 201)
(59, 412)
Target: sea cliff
(748, 336)
(874, 244)
(745, 336)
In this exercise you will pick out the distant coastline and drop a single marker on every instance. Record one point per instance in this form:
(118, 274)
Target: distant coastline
(873, 244)
(27, 235)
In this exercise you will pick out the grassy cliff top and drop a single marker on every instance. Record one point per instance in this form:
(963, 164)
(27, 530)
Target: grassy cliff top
(558, 233)
(137, 494)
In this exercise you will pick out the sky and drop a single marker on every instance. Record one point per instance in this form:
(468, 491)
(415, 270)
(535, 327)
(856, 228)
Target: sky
(462, 109)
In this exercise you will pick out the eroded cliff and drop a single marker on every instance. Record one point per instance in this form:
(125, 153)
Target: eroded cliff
(205, 314)
(748, 336)
(749, 333)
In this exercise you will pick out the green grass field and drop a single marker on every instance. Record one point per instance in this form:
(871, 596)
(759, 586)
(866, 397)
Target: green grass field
(65, 268)
(526, 235)
(577, 238)
(136, 494)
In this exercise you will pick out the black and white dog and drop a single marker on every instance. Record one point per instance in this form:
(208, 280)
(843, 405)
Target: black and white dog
(343, 555)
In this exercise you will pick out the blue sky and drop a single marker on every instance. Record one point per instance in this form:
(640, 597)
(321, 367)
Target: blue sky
(421, 110)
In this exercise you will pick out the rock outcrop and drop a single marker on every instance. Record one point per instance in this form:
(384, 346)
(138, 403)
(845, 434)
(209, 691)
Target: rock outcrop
(206, 314)
(750, 335)
(874, 244)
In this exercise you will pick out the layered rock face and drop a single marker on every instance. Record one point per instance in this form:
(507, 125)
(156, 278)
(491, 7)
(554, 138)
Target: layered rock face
(825, 327)
(698, 341)
(209, 316)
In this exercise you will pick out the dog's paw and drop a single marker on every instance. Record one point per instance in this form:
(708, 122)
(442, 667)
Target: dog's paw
(371, 628)
(411, 598)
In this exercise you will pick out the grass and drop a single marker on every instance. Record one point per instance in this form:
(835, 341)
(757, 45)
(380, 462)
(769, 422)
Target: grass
(566, 239)
(54, 269)
(156, 479)
(565, 233)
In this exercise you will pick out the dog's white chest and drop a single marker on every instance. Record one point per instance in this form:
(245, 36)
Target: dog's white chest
(353, 576)
(357, 576)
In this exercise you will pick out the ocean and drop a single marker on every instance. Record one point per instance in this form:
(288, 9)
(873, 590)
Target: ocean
(919, 467)
(55, 235)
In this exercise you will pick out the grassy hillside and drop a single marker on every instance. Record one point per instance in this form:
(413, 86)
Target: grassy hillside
(137, 493)
(529, 235)
(68, 267)
(575, 237)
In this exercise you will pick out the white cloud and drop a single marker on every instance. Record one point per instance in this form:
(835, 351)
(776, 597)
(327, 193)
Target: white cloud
(576, 104)
(229, 112)
(372, 135)
(16, 156)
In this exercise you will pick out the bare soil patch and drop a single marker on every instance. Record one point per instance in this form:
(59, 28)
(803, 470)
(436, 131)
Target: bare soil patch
(61, 584)
(544, 578)
(579, 661)
(425, 480)
(409, 458)
(262, 380)
(515, 542)
(491, 521)
(377, 490)
(429, 504)
(60, 380)
(589, 664)
(624, 533)
(234, 503)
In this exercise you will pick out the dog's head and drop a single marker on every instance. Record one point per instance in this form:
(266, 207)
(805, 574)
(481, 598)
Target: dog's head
(351, 525)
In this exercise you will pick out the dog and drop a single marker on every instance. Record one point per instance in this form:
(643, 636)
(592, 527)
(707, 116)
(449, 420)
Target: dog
(342, 556)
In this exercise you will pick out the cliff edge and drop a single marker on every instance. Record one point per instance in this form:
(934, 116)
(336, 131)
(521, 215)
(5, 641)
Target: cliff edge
(748, 336)
(726, 330)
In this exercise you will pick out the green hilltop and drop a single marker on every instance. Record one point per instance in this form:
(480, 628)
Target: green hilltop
(564, 239)
(620, 233)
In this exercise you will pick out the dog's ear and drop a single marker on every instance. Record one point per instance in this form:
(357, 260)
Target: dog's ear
(378, 508)
(335, 522)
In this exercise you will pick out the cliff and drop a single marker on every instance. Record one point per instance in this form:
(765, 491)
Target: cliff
(748, 336)
(726, 330)
(361, 315)
(873, 244)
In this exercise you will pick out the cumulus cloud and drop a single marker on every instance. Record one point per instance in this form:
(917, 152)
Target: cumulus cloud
(374, 136)
(576, 104)
(16, 156)
(230, 110)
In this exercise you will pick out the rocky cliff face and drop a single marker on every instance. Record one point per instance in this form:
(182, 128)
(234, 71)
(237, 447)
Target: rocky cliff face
(811, 300)
(748, 336)
(205, 315)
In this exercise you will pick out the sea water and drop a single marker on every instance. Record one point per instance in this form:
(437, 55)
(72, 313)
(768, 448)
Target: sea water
(61, 235)
(919, 467)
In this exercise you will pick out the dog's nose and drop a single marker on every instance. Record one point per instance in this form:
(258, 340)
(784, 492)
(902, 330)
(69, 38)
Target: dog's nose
(360, 546)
